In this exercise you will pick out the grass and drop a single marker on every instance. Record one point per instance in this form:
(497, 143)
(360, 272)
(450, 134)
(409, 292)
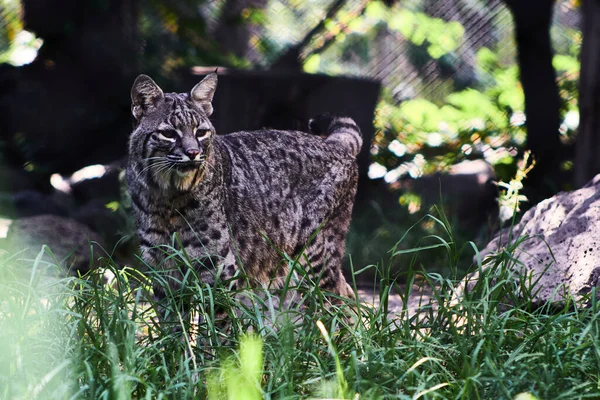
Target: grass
(68, 338)
(378, 224)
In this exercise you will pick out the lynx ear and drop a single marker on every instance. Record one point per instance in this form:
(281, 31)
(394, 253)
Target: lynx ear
(145, 96)
(202, 94)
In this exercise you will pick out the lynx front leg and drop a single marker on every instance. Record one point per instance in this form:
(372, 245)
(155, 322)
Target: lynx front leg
(169, 284)
(180, 286)
(220, 273)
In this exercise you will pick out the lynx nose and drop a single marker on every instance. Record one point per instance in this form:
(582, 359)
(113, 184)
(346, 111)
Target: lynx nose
(192, 153)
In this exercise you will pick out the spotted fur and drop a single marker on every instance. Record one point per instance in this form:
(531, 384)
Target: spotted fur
(240, 200)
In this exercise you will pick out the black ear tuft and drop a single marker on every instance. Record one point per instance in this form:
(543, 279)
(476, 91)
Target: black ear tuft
(145, 96)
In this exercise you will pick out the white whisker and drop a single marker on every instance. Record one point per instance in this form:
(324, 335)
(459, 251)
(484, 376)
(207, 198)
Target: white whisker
(152, 165)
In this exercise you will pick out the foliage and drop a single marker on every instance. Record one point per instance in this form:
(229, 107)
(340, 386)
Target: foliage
(176, 34)
(11, 24)
(470, 124)
(17, 46)
(87, 338)
(510, 199)
(377, 229)
(239, 379)
(479, 118)
(440, 36)
(455, 117)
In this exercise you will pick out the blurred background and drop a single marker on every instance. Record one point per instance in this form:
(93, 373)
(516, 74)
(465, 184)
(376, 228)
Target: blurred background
(449, 95)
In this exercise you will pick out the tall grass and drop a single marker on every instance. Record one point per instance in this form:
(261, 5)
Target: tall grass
(68, 338)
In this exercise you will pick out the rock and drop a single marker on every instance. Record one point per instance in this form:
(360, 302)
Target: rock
(68, 240)
(13, 179)
(110, 225)
(467, 190)
(80, 198)
(563, 245)
(28, 203)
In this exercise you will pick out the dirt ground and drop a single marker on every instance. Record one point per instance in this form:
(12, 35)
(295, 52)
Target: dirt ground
(420, 296)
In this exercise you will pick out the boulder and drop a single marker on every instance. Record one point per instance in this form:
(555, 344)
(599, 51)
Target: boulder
(28, 203)
(467, 191)
(69, 241)
(562, 249)
(110, 225)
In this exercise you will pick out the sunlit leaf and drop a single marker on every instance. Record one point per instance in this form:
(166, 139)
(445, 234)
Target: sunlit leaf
(311, 65)
(376, 10)
(566, 63)
(421, 113)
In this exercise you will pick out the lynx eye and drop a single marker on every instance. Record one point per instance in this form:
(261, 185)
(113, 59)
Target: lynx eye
(169, 134)
(202, 133)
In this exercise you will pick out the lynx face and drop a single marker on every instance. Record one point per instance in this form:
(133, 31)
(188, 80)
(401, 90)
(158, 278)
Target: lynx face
(173, 140)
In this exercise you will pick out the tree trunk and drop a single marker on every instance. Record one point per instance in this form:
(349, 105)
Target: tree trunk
(234, 31)
(587, 159)
(542, 102)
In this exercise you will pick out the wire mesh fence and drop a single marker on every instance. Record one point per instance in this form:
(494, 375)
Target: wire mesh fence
(353, 41)
(417, 49)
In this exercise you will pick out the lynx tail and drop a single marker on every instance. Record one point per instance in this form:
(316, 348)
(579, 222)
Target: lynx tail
(340, 131)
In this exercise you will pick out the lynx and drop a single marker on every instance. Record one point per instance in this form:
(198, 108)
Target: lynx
(241, 200)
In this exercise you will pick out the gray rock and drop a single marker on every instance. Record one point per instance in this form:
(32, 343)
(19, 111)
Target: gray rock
(562, 249)
(29, 203)
(69, 241)
(467, 190)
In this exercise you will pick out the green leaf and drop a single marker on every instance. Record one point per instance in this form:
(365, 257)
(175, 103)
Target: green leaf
(376, 10)
(404, 22)
(566, 63)
(421, 113)
(311, 65)
(486, 58)
(513, 98)
(113, 206)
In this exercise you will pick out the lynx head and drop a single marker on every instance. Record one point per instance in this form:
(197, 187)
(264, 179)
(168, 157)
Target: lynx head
(173, 136)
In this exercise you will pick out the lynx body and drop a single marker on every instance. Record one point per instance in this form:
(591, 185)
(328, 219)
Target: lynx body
(239, 200)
